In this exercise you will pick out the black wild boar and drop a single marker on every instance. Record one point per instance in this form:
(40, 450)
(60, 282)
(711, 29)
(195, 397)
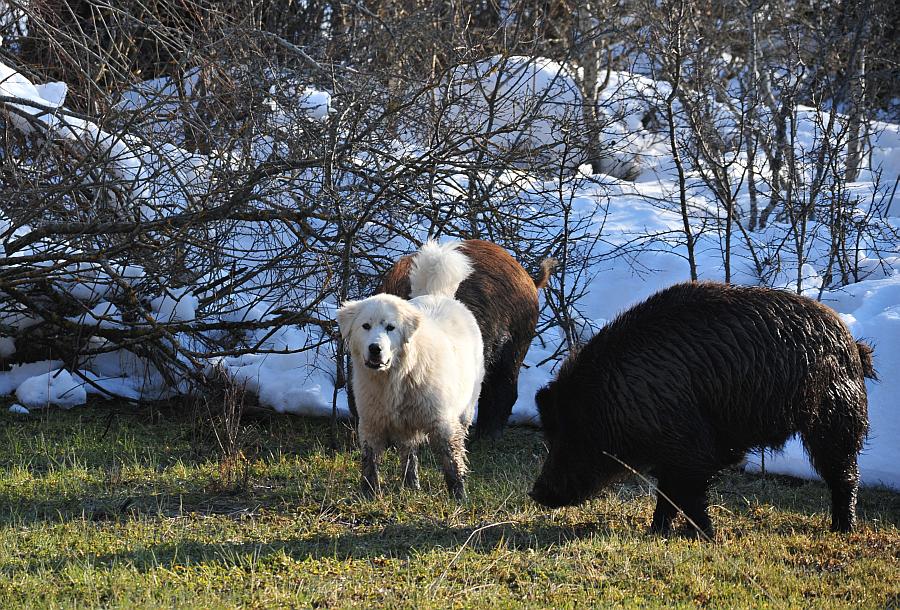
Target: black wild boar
(688, 381)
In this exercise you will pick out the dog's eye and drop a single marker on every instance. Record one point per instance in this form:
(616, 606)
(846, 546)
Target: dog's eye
(367, 326)
(389, 327)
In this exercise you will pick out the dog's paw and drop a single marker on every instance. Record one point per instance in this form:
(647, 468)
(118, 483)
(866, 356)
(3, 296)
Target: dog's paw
(369, 491)
(458, 492)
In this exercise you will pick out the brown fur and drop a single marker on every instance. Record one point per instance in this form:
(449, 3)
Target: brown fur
(504, 300)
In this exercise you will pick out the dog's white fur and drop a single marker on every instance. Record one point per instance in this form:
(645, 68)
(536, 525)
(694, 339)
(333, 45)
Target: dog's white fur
(425, 375)
(438, 269)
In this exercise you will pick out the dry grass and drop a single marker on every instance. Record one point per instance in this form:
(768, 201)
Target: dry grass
(108, 506)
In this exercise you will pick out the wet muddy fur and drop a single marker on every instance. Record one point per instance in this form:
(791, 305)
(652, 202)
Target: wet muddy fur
(504, 300)
(690, 380)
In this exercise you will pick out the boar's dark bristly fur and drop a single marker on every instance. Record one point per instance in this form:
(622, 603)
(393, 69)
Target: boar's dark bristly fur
(688, 381)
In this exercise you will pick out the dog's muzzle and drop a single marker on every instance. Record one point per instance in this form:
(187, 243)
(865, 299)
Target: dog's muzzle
(374, 361)
(377, 364)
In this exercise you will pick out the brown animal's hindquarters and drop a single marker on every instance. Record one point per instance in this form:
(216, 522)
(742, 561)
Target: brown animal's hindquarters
(503, 298)
(396, 280)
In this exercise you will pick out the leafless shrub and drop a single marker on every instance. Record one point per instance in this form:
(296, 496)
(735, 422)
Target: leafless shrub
(217, 420)
(195, 197)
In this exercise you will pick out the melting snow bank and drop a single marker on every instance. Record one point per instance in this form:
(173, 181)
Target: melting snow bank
(290, 372)
(301, 382)
(55, 387)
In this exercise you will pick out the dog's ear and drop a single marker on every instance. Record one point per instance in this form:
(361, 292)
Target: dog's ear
(346, 316)
(410, 320)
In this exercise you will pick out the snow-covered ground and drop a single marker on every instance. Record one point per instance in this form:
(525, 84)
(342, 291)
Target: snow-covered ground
(617, 218)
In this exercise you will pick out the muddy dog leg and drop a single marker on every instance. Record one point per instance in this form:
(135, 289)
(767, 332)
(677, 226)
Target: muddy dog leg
(351, 395)
(450, 446)
(372, 445)
(410, 462)
(498, 392)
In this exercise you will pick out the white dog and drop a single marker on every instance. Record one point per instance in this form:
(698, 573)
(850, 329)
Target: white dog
(417, 368)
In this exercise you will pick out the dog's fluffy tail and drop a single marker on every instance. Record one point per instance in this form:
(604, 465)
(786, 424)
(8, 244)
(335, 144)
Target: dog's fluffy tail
(438, 269)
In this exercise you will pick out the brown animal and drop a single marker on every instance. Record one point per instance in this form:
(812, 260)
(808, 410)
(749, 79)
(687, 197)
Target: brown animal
(504, 300)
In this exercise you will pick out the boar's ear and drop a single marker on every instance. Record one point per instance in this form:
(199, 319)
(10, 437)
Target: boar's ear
(543, 398)
(346, 316)
(546, 405)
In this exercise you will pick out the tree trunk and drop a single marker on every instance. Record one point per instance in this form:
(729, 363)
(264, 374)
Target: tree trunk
(857, 98)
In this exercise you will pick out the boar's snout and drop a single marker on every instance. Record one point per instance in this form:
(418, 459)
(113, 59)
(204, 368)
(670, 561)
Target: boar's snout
(544, 495)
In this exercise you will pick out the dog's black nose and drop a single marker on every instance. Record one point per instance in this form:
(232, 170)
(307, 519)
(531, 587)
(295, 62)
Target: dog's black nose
(374, 348)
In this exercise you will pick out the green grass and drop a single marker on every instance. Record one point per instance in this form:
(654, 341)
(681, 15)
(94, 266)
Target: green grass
(109, 506)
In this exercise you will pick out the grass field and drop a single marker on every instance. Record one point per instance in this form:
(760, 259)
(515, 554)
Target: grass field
(108, 506)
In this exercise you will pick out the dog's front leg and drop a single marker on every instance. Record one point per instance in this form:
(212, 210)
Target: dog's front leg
(371, 455)
(410, 462)
(451, 447)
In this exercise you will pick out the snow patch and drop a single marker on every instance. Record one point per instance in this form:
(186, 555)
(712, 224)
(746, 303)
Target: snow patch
(56, 387)
(177, 306)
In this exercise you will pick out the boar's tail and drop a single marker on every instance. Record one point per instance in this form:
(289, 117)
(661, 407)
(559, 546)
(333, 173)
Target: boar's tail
(543, 276)
(865, 356)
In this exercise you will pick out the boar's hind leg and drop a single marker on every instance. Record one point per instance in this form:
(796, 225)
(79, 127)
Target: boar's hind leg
(841, 473)
(833, 441)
